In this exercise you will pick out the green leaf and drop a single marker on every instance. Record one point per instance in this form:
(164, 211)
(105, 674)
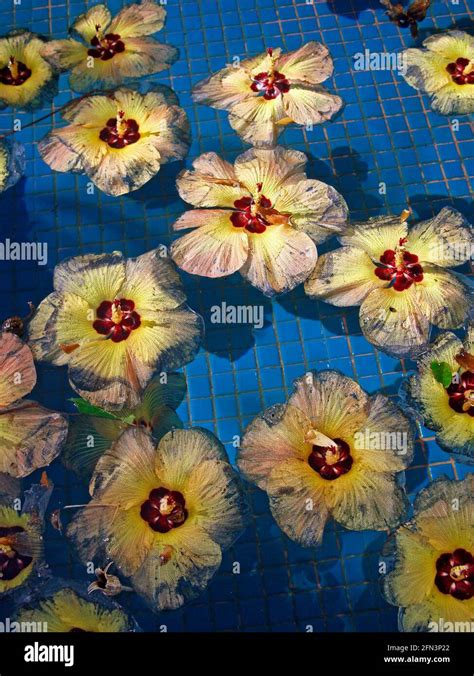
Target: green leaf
(89, 409)
(129, 419)
(442, 372)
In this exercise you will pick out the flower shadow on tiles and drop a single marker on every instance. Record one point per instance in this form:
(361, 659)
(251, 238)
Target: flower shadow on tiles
(232, 311)
(160, 192)
(352, 8)
(426, 206)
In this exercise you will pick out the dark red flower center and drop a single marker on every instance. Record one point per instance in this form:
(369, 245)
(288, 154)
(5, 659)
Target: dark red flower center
(331, 462)
(15, 73)
(119, 132)
(12, 563)
(116, 319)
(105, 47)
(461, 393)
(270, 83)
(164, 510)
(455, 574)
(461, 71)
(400, 267)
(251, 212)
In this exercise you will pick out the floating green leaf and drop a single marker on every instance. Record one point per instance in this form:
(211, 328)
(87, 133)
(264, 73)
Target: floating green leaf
(442, 372)
(86, 408)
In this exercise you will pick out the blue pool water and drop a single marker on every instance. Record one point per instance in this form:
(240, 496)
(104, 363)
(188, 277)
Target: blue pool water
(386, 132)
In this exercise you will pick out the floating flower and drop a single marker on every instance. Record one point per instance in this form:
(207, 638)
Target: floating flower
(444, 71)
(119, 140)
(30, 435)
(21, 542)
(433, 576)
(115, 322)
(65, 610)
(331, 450)
(162, 514)
(269, 219)
(12, 164)
(443, 392)
(111, 51)
(399, 277)
(27, 80)
(267, 92)
(91, 436)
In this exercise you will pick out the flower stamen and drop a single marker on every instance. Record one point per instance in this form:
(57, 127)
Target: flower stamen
(399, 267)
(164, 510)
(15, 73)
(116, 319)
(461, 71)
(455, 574)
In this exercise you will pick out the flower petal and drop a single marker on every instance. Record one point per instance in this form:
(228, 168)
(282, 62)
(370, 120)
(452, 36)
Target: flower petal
(297, 497)
(444, 297)
(153, 282)
(138, 19)
(216, 249)
(385, 442)
(212, 183)
(93, 277)
(30, 437)
(166, 340)
(311, 63)
(336, 405)
(86, 24)
(64, 54)
(177, 568)
(315, 207)
(279, 259)
(376, 235)
(446, 240)
(363, 500)
(271, 439)
(311, 104)
(393, 321)
(17, 369)
(255, 120)
(343, 277)
(272, 168)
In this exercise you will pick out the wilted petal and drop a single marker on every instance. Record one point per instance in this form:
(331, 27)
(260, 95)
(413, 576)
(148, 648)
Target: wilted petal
(213, 183)
(139, 19)
(279, 259)
(311, 63)
(376, 235)
(271, 439)
(86, 24)
(393, 321)
(446, 240)
(311, 104)
(17, 370)
(335, 404)
(215, 249)
(297, 497)
(275, 169)
(255, 120)
(444, 297)
(30, 437)
(315, 207)
(343, 277)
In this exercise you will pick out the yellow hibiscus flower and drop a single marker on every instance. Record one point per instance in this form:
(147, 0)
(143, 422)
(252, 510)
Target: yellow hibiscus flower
(66, 611)
(265, 93)
(444, 71)
(27, 80)
(331, 450)
(269, 218)
(112, 50)
(433, 576)
(399, 277)
(21, 540)
(12, 163)
(163, 514)
(30, 435)
(115, 322)
(447, 408)
(120, 140)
